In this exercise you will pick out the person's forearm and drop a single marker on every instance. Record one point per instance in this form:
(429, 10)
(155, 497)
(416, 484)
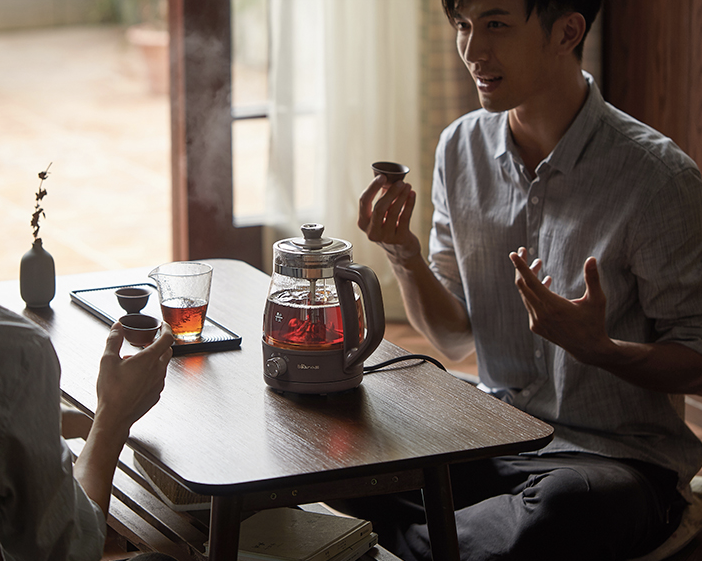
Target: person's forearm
(432, 310)
(95, 467)
(664, 367)
(74, 423)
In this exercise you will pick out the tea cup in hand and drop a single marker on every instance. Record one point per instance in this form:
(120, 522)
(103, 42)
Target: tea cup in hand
(393, 172)
(139, 329)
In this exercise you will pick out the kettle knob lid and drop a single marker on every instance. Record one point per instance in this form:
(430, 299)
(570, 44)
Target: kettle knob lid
(312, 237)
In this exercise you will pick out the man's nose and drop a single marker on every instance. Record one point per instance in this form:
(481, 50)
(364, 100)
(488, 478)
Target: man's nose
(473, 48)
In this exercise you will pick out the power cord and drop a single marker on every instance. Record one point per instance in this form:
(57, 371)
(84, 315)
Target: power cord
(422, 358)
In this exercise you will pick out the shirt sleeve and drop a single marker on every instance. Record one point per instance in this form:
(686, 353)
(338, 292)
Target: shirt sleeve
(44, 512)
(667, 260)
(442, 254)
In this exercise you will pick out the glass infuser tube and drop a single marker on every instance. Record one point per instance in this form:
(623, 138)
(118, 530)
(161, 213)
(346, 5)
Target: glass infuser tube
(313, 291)
(313, 312)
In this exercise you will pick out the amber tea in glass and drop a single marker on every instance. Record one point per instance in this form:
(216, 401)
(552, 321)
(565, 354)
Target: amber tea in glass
(185, 316)
(184, 291)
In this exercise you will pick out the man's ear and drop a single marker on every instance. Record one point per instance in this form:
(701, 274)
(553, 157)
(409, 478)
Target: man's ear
(568, 31)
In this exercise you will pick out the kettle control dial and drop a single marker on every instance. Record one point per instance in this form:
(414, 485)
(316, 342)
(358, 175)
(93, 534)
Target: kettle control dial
(275, 366)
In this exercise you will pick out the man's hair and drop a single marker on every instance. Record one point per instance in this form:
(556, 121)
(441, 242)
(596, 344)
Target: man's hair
(548, 11)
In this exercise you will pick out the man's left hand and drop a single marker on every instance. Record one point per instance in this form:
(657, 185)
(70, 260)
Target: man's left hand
(578, 326)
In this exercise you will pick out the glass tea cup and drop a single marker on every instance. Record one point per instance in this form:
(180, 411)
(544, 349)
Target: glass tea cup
(184, 292)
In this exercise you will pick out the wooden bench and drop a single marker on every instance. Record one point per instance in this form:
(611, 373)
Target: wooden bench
(145, 523)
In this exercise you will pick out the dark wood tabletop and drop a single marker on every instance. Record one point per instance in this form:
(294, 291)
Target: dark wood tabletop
(219, 430)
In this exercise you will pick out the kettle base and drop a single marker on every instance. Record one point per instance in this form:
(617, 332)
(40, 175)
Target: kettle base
(316, 388)
(306, 372)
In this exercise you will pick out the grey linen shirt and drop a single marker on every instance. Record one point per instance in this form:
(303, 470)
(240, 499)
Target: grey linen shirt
(44, 512)
(613, 188)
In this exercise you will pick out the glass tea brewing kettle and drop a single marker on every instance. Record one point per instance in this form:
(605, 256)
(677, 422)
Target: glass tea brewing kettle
(323, 317)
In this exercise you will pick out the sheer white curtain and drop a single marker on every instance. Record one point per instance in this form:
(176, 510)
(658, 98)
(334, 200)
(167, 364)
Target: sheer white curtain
(345, 93)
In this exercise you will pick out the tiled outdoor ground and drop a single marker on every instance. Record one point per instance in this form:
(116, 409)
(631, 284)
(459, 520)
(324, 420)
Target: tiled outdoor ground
(77, 97)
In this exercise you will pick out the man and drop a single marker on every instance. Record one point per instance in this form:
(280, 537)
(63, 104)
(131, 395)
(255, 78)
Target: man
(602, 334)
(50, 510)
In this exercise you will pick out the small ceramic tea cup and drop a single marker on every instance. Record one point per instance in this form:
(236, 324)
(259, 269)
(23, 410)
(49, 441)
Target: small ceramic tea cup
(132, 299)
(139, 329)
(394, 172)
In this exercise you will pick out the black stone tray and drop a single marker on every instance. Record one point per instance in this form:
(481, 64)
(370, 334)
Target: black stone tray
(102, 303)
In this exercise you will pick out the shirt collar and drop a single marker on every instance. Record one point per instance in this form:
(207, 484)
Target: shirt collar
(568, 150)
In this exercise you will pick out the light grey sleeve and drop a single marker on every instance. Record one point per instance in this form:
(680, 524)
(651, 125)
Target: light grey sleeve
(667, 262)
(442, 255)
(44, 512)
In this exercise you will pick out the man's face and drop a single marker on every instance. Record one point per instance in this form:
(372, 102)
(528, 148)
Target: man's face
(507, 55)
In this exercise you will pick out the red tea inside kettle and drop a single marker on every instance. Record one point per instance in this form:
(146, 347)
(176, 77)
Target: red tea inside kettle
(323, 317)
(296, 320)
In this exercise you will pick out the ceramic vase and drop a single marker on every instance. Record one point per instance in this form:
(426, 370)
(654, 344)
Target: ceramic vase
(37, 276)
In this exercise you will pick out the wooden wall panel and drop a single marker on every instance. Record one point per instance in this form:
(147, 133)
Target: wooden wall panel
(695, 121)
(653, 65)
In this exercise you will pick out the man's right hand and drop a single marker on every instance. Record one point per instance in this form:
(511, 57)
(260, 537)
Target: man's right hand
(387, 221)
(431, 308)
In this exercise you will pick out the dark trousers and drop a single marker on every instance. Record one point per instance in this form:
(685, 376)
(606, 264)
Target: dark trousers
(555, 507)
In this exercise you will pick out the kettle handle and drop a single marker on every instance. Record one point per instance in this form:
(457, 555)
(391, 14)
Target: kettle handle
(345, 273)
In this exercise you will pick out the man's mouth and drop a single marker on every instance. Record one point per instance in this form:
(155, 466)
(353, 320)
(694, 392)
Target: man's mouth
(487, 81)
(487, 84)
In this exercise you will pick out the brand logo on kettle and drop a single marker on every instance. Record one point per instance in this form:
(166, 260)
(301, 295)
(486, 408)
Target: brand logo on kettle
(302, 366)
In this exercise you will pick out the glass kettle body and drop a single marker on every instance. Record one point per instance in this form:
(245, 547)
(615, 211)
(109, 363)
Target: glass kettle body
(323, 316)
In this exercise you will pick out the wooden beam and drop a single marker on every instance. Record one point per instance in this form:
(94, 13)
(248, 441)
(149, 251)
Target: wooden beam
(201, 135)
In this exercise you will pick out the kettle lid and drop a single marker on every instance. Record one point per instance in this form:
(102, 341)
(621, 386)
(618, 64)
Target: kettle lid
(312, 237)
(311, 256)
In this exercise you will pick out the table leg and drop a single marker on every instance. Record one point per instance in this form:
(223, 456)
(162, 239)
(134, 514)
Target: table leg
(225, 518)
(441, 520)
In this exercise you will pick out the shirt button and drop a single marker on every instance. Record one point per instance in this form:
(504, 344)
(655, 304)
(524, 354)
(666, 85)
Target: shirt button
(535, 200)
(532, 251)
(526, 393)
(538, 354)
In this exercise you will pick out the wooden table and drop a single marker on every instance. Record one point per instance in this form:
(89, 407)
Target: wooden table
(220, 431)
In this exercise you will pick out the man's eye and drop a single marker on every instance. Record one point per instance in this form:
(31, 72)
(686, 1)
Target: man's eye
(461, 25)
(495, 25)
